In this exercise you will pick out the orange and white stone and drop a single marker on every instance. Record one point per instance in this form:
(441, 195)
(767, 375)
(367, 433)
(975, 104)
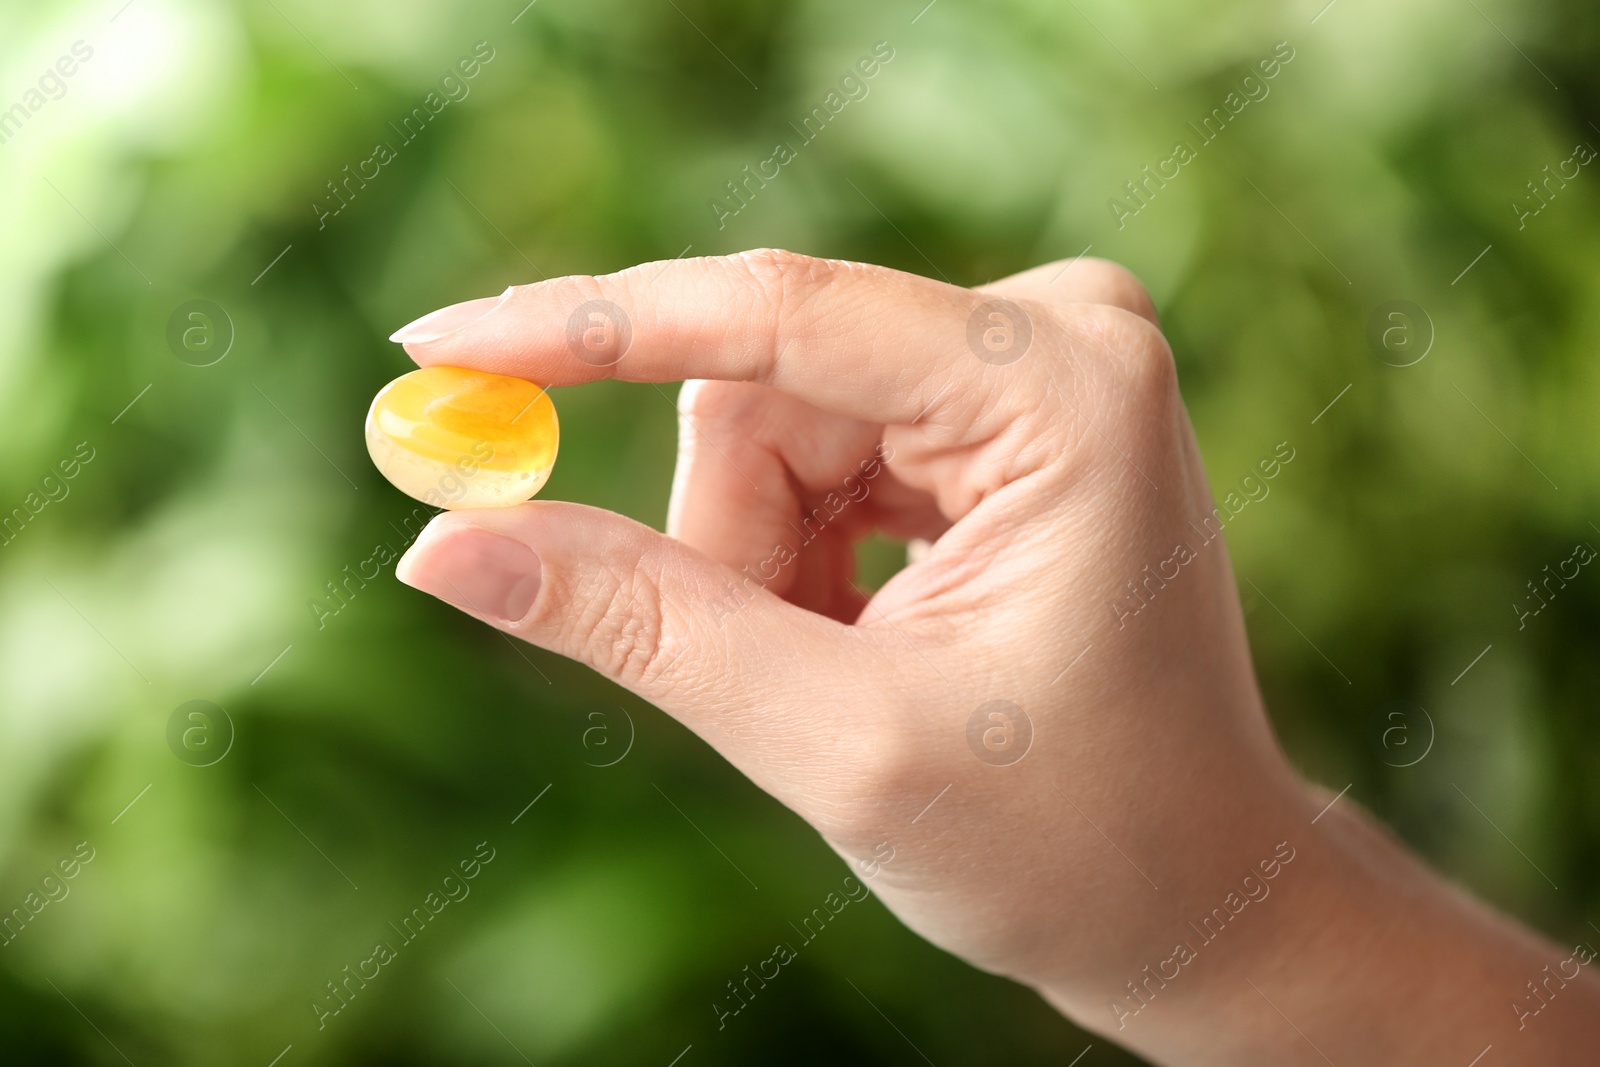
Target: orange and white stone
(458, 438)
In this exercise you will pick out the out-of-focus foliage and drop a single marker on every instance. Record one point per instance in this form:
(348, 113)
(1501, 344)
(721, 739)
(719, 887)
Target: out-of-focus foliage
(184, 160)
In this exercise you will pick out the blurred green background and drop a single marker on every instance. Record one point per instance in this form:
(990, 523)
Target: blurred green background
(183, 159)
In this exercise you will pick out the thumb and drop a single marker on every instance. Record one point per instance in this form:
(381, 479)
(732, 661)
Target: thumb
(689, 635)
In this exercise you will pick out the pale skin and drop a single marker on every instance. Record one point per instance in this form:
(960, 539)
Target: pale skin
(1154, 790)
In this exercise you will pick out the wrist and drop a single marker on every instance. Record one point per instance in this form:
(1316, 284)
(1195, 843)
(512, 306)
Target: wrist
(1337, 944)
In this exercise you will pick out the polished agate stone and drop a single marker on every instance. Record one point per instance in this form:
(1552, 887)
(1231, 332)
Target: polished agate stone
(459, 438)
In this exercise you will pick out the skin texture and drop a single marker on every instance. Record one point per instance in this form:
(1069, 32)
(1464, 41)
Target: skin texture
(1153, 791)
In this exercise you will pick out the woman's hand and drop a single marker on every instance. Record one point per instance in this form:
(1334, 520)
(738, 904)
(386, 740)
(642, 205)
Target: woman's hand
(1042, 740)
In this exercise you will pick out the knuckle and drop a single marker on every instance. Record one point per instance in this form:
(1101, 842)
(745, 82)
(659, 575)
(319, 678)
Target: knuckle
(1152, 371)
(1120, 287)
(883, 770)
(779, 270)
(722, 411)
(1139, 351)
(568, 291)
(717, 402)
(784, 283)
(892, 775)
(622, 628)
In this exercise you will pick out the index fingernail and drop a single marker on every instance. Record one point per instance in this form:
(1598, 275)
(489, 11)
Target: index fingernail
(447, 320)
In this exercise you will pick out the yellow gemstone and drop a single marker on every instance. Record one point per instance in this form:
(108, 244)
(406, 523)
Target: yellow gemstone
(459, 438)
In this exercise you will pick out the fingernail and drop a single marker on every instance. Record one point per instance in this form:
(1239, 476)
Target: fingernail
(447, 320)
(482, 572)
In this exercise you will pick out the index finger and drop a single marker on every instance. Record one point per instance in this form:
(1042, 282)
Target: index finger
(868, 342)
